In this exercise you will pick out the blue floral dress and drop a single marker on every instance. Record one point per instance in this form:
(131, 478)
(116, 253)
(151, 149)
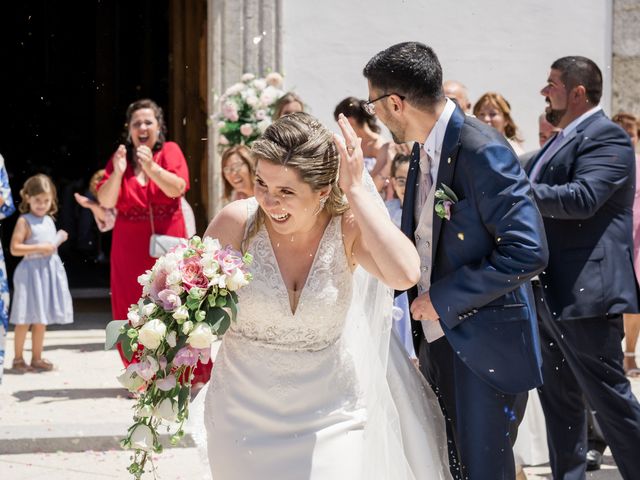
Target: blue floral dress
(6, 209)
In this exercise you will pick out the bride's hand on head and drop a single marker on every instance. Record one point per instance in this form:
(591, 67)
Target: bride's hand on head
(351, 157)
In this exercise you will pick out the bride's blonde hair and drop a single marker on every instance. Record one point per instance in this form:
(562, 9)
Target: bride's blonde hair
(300, 142)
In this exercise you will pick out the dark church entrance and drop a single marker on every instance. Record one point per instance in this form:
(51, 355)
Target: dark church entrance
(70, 71)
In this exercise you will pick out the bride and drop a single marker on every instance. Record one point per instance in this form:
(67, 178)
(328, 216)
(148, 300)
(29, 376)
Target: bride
(305, 385)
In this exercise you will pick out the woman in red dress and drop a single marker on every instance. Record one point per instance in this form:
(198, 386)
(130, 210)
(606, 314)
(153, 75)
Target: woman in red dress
(144, 180)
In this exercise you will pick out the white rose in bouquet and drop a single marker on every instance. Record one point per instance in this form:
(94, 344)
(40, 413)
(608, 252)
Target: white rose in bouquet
(201, 336)
(247, 77)
(142, 438)
(152, 333)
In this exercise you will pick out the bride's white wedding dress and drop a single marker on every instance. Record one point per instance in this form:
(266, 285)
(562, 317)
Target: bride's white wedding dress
(299, 395)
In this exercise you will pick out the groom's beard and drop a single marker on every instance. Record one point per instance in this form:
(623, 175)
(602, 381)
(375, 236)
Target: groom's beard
(396, 139)
(397, 134)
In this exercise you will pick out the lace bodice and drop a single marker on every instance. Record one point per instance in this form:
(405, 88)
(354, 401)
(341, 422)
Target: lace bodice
(264, 313)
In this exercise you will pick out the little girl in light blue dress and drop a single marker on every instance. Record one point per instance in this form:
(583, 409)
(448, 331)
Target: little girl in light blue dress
(41, 294)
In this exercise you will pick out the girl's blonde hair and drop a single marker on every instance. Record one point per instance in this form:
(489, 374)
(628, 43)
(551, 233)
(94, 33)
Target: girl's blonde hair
(36, 185)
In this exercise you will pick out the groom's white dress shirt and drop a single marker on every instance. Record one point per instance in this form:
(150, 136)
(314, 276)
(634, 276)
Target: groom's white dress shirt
(429, 160)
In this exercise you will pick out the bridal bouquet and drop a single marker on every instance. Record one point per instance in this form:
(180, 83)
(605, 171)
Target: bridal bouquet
(246, 108)
(188, 298)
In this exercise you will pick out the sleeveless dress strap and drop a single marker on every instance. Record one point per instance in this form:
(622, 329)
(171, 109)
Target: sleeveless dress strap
(252, 213)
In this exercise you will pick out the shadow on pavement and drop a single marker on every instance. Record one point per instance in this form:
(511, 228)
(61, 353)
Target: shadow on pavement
(81, 347)
(62, 394)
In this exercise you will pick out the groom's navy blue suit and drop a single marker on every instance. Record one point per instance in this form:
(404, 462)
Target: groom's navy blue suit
(483, 257)
(585, 193)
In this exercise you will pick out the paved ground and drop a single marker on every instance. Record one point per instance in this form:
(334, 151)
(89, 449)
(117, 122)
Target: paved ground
(66, 424)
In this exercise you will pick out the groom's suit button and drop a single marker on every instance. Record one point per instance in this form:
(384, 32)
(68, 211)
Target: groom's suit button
(428, 244)
(425, 268)
(417, 237)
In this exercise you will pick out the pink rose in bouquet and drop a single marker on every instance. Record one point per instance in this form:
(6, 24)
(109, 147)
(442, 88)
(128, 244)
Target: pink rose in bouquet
(192, 274)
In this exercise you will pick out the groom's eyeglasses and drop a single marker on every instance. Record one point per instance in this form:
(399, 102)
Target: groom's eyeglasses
(369, 106)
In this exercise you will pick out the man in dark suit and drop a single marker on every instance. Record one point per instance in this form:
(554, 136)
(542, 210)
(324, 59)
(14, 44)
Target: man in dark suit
(469, 210)
(583, 181)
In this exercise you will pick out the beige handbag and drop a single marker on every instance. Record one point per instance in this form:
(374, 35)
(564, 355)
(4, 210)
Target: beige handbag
(160, 244)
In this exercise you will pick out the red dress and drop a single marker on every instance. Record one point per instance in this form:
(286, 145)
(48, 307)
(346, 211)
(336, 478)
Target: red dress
(132, 230)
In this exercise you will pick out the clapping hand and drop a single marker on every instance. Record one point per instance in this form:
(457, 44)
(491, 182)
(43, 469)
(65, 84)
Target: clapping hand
(145, 157)
(351, 157)
(120, 160)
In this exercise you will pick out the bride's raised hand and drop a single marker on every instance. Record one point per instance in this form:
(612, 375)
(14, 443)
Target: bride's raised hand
(351, 157)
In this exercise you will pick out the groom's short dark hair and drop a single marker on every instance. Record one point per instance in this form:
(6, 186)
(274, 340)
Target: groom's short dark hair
(410, 69)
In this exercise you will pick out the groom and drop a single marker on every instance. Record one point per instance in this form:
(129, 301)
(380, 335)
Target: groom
(468, 207)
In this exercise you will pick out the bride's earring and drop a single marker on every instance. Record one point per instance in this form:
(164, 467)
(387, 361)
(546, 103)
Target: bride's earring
(323, 201)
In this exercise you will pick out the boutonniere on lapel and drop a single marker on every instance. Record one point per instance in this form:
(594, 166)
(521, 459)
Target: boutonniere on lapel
(445, 198)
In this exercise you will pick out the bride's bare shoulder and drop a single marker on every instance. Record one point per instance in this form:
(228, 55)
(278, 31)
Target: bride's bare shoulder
(229, 224)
